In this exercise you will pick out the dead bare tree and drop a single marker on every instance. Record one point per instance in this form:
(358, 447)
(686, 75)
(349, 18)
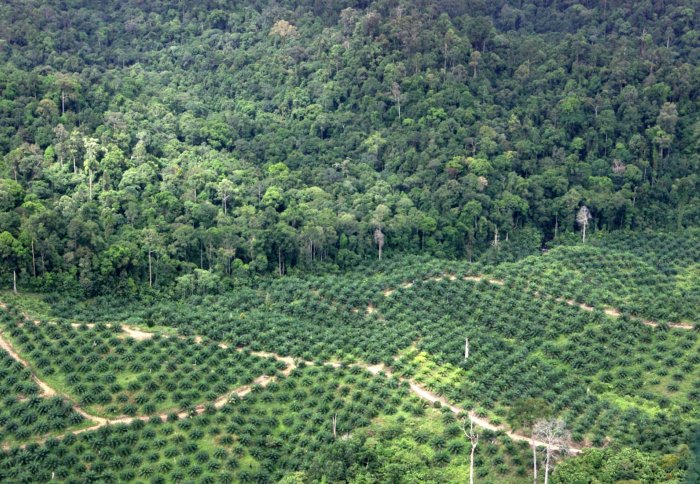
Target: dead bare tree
(466, 349)
(379, 239)
(474, 439)
(583, 217)
(554, 434)
(335, 422)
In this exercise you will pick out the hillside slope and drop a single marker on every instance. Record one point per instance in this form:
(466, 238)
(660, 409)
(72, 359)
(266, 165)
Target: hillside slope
(151, 143)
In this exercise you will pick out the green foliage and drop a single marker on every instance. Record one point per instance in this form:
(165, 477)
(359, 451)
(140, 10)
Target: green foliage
(614, 465)
(438, 113)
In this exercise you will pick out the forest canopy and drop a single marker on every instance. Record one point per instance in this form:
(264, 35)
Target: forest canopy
(147, 142)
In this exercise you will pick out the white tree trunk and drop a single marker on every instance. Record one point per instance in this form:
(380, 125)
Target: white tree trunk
(33, 260)
(471, 465)
(555, 436)
(534, 460)
(466, 348)
(150, 270)
(14, 281)
(474, 439)
(279, 261)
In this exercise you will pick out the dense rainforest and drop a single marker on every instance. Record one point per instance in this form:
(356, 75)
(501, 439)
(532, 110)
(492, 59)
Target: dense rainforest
(187, 144)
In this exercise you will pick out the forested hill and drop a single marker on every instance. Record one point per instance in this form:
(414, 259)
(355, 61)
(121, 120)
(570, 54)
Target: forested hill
(144, 142)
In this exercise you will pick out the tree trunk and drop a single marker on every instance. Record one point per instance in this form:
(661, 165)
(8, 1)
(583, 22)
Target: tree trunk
(209, 255)
(150, 270)
(14, 281)
(33, 260)
(474, 439)
(471, 465)
(534, 459)
(584, 233)
(546, 466)
(466, 349)
(444, 61)
(279, 261)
